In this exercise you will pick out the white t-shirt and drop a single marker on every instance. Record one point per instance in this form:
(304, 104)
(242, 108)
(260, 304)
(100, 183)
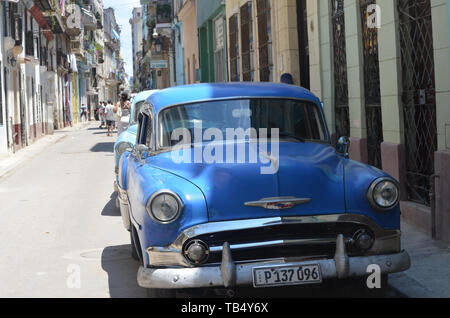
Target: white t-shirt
(109, 111)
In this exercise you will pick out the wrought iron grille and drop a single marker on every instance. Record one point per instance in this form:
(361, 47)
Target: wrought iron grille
(234, 49)
(265, 42)
(372, 86)
(419, 96)
(245, 41)
(342, 115)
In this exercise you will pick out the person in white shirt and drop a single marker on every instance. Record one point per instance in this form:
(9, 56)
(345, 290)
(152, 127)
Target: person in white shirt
(109, 114)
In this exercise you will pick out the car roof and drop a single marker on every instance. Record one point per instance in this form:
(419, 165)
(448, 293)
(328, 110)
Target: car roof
(142, 96)
(202, 92)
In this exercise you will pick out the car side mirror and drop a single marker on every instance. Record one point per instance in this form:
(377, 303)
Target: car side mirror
(343, 146)
(141, 151)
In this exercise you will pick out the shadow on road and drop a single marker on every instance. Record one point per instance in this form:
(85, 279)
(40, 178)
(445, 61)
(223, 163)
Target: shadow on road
(103, 147)
(122, 271)
(110, 208)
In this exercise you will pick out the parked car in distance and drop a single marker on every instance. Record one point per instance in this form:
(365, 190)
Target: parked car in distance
(127, 139)
(202, 216)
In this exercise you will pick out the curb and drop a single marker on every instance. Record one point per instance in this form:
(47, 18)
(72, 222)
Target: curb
(408, 287)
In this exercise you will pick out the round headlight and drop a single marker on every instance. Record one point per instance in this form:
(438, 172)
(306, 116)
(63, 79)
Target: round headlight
(122, 147)
(384, 194)
(164, 207)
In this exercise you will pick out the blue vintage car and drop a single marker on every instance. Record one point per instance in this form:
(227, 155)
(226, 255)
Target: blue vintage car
(127, 139)
(239, 184)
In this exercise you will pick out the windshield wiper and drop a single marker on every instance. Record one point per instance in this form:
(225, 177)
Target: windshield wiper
(285, 134)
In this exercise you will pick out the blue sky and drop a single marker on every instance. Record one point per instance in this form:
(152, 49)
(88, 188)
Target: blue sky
(123, 10)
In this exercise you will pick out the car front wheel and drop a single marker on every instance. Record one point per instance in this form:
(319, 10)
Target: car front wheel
(135, 245)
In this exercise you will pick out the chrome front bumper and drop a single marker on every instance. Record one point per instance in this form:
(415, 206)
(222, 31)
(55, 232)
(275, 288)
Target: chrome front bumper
(229, 274)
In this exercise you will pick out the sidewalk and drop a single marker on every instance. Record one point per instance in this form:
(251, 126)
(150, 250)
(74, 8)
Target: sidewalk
(429, 275)
(11, 162)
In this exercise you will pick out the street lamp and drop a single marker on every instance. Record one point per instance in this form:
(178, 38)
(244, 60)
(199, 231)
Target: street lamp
(158, 45)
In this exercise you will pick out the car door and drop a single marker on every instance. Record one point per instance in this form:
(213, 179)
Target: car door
(136, 190)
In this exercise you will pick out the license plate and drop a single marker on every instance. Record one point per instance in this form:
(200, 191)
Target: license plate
(286, 275)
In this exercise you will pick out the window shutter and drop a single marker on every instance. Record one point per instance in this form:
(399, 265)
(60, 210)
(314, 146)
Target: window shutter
(234, 49)
(245, 42)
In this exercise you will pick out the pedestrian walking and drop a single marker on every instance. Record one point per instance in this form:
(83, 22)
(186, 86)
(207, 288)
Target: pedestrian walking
(101, 114)
(84, 113)
(109, 114)
(122, 109)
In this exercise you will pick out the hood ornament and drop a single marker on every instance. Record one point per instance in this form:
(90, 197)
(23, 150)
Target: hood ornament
(278, 203)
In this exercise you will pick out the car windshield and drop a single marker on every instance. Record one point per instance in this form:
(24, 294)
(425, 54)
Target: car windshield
(136, 109)
(296, 120)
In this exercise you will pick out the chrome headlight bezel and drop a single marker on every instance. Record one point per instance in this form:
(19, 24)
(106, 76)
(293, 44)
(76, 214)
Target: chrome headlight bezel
(156, 195)
(122, 147)
(371, 193)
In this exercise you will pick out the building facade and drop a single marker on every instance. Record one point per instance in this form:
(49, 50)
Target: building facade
(382, 70)
(212, 34)
(112, 57)
(136, 33)
(51, 64)
(188, 17)
(156, 64)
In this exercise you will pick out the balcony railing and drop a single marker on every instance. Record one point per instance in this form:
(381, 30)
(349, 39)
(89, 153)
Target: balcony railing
(62, 60)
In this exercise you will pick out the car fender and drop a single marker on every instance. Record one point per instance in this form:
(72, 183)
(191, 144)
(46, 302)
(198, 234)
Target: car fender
(358, 178)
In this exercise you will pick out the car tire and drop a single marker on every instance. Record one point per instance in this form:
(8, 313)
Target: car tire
(135, 246)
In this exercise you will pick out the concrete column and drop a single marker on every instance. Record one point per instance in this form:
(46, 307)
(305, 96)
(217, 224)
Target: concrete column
(392, 149)
(326, 62)
(314, 46)
(355, 69)
(441, 40)
(285, 39)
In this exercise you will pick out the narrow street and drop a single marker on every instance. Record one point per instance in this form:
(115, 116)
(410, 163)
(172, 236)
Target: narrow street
(59, 223)
(59, 218)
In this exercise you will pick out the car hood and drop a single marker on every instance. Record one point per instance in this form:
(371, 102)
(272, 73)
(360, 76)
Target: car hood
(306, 171)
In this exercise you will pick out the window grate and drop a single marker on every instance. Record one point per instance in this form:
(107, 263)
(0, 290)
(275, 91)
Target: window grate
(418, 96)
(265, 40)
(234, 49)
(342, 115)
(372, 87)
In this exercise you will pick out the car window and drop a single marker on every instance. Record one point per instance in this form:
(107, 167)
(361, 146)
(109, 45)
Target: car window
(149, 133)
(295, 120)
(137, 108)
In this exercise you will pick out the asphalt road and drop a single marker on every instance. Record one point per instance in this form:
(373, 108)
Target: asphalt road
(61, 235)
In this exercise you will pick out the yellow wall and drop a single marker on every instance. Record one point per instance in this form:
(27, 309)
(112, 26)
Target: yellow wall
(188, 15)
(285, 39)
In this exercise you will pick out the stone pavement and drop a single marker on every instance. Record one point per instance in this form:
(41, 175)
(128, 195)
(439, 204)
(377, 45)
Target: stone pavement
(429, 275)
(11, 162)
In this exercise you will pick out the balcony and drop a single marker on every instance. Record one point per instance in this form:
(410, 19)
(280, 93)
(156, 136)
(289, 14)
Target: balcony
(112, 42)
(44, 5)
(88, 20)
(62, 61)
(54, 21)
(77, 48)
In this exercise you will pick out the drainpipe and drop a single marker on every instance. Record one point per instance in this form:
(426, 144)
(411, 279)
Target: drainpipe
(433, 204)
(448, 20)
